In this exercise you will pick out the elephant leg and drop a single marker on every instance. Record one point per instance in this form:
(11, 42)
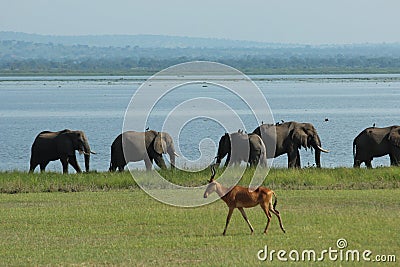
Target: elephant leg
(32, 166)
(74, 163)
(160, 162)
(394, 160)
(120, 165)
(298, 164)
(64, 162)
(251, 159)
(292, 158)
(252, 163)
(149, 163)
(255, 160)
(357, 163)
(43, 166)
(264, 162)
(112, 168)
(368, 163)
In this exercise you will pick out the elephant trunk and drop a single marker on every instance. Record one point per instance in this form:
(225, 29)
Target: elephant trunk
(220, 157)
(172, 155)
(160, 162)
(87, 160)
(87, 151)
(318, 150)
(318, 158)
(223, 150)
(228, 159)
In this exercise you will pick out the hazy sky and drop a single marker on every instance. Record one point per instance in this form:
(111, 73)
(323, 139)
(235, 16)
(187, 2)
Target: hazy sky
(288, 21)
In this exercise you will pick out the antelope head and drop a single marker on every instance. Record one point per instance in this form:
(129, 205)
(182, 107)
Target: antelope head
(212, 186)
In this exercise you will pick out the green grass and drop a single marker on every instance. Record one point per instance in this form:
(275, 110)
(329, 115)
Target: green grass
(308, 178)
(129, 228)
(105, 219)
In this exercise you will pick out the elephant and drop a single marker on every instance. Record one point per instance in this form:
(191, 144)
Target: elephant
(377, 142)
(289, 137)
(132, 146)
(241, 147)
(49, 146)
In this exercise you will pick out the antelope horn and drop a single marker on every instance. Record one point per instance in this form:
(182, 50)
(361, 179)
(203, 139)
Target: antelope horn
(212, 173)
(323, 150)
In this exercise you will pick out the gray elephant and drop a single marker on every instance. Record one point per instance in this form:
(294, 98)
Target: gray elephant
(288, 138)
(241, 147)
(49, 146)
(377, 142)
(134, 146)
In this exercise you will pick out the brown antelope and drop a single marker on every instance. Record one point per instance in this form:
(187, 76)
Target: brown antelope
(241, 197)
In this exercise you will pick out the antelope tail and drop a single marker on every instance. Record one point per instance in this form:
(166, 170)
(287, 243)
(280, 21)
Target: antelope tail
(276, 200)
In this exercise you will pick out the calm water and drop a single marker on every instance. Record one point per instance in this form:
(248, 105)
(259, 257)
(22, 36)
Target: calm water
(97, 106)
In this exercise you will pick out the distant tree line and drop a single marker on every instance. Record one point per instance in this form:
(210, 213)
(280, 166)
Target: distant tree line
(18, 57)
(250, 65)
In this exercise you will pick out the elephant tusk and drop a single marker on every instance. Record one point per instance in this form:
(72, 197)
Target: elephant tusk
(323, 150)
(176, 154)
(83, 152)
(94, 153)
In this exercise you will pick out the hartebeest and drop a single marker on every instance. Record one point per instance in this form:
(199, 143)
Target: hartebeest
(241, 197)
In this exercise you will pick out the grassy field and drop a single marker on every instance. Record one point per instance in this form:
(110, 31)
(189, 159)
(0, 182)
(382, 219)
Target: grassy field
(308, 178)
(105, 219)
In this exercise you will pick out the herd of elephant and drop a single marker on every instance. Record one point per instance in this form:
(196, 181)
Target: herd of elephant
(266, 141)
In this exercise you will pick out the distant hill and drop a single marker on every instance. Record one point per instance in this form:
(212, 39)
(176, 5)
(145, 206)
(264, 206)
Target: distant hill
(142, 40)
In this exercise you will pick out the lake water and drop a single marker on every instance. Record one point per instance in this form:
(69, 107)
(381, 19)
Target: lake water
(96, 105)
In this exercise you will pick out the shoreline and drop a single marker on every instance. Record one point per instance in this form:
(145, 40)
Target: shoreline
(249, 72)
(254, 77)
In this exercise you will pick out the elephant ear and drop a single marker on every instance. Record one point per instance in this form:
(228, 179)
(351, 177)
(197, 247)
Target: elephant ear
(376, 135)
(394, 136)
(168, 144)
(300, 137)
(160, 145)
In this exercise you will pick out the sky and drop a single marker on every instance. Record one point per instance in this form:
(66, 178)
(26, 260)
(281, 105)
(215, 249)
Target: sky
(277, 21)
